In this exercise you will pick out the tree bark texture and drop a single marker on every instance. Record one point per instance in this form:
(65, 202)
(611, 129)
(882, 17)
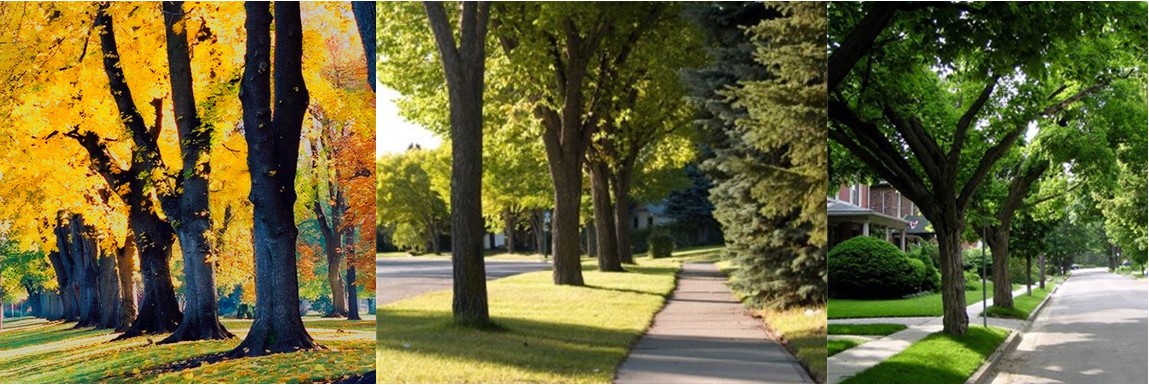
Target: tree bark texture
(273, 137)
(125, 259)
(604, 224)
(464, 66)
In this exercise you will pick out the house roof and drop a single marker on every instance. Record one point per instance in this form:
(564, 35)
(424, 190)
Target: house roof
(841, 211)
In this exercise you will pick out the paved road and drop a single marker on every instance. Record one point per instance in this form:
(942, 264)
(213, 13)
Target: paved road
(705, 336)
(399, 278)
(1093, 330)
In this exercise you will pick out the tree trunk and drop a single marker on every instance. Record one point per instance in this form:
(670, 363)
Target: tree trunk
(273, 152)
(110, 297)
(364, 12)
(1041, 268)
(125, 260)
(997, 238)
(955, 321)
(333, 248)
(568, 198)
(80, 251)
(67, 310)
(1028, 275)
(352, 295)
(509, 230)
(159, 311)
(538, 230)
(622, 214)
(605, 233)
(464, 69)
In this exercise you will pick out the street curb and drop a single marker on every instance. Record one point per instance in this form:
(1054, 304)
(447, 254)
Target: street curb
(986, 372)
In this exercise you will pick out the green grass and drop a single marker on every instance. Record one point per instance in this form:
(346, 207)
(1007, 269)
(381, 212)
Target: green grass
(864, 329)
(546, 333)
(837, 346)
(923, 306)
(1023, 305)
(937, 359)
(39, 351)
(698, 254)
(803, 334)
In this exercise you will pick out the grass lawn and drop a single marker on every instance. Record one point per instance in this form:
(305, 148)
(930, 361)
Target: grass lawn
(698, 254)
(546, 333)
(864, 329)
(39, 351)
(937, 359)
(804, 334)
(927, 305)
(1023, 305)
(837, 346)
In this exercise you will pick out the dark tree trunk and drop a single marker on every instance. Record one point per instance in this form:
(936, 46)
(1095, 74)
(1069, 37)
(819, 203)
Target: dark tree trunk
(110, 297)
(464, 66)
(955, 320)
(538, 231)
(364, 12)
(621, 185)
(565, 223)
(63, 282)
(606, 240)
(159, 311)
(273, 151)
(1041, 268)
(509, 221)
(78, 249)
(1028, 274)
(125, 259)
(352, 295)
(997, 238)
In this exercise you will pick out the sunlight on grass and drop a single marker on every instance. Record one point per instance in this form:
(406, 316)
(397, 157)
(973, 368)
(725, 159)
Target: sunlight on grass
(923, 306)
(865, 329)
(803, 333)
(51, 352)
(1023, 305)
(937, 359)
(548, 333)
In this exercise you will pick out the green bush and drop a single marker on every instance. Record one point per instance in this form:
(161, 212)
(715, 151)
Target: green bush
(971, 261)
(870, 268)
(661, 245)
(972, 281)
(1017, 271)
(927, 254)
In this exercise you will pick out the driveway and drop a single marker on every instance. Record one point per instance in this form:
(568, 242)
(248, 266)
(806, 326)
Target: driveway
(399, 278)
(1093, 330)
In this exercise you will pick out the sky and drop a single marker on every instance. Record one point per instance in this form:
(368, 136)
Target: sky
(393, 133)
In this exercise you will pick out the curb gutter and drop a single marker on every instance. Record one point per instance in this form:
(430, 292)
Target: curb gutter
(988, 370)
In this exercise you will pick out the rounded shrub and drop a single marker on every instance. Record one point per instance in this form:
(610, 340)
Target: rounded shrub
(661, 245)
(932, 280)
(870, 268)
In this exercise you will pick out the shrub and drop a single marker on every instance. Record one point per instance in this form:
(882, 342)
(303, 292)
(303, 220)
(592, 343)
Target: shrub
(661, 245)
(1017, 271)
(927, 254)
(870, 268)
(972, 281)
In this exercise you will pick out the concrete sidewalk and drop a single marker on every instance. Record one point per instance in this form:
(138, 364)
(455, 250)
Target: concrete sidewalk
(704, 335)
(854, 360)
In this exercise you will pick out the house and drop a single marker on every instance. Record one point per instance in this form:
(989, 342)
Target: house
(867, 210)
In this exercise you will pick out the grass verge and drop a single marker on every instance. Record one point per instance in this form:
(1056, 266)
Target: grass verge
(937, 359)
(864, 329)
(546, 333)
(838, 345)
(52, 352)
(923, 306)
(1023, 305)
(803, 333)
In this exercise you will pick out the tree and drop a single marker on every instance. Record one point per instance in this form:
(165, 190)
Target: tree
(773, 153)
(931, 96)
(463, 66)
(273, 135)
(407, 201)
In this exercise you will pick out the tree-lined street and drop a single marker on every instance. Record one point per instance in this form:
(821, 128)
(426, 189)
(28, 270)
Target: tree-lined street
(1092, 331)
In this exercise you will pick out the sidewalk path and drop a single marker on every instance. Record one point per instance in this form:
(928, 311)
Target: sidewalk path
(859, 358)
(704, 335)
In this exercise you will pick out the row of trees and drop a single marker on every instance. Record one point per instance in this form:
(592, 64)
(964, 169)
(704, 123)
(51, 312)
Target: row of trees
(99, 188)
(593, 92)
(981, 111)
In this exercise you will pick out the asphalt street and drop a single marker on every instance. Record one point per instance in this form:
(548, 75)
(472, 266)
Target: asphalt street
(1093, 331)
(399, 278)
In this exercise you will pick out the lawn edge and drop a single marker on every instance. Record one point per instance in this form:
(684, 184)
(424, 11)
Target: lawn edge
(988, 369)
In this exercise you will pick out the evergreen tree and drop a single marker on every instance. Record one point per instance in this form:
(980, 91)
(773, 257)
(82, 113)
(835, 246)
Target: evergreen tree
(764, 114)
